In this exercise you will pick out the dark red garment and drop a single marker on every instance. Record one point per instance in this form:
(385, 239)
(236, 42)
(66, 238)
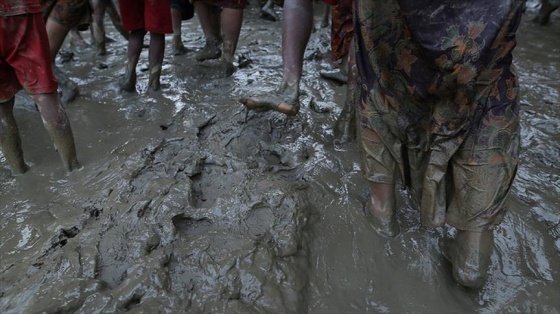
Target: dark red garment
(17, 7)
(342, 29)
(24, 56)
(151, 15)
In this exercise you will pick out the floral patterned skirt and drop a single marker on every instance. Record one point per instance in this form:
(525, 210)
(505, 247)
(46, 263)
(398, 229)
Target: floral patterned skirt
(438, 104)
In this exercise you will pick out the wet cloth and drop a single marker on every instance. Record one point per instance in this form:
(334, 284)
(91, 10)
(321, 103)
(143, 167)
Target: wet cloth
(24, 56)
(438, 103)
(151, 15)
(230, 4)
(17, 7)
(68, 13)
(342, 29)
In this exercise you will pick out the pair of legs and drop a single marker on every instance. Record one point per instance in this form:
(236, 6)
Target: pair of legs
(214, 23)
(297, 24)
(56, 123)
(155, 59)
(469, 252)
(98, 27)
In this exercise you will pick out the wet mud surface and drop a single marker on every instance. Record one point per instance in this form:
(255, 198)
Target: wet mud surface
(189, 203)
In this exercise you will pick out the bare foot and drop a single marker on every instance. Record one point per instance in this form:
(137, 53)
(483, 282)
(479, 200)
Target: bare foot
(209, 52)
(128, 83)
(285, 100)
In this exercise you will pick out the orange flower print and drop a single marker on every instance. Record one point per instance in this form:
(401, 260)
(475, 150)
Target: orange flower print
(406, 59)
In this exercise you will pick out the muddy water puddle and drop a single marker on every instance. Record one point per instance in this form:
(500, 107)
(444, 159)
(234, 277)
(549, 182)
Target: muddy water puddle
(189, 203)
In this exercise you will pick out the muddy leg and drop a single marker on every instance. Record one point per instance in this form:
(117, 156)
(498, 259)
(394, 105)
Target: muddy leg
(157, 47)
(57, 125)
(115, 17)
(231, 23)
(382, 209)
(296, 28)
(325, 21)
(470, 254)
(98, 26)
(57, 33)
(345, 127)
(178, 48)
(209, 18)
(10, 142)
(135, 43)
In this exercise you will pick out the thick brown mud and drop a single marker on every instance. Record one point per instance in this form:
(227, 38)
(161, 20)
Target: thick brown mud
(187, 203)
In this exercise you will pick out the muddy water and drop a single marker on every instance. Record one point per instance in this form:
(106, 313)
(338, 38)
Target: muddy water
(189, 203)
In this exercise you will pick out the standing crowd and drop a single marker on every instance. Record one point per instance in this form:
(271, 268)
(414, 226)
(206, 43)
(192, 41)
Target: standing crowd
(432, 93)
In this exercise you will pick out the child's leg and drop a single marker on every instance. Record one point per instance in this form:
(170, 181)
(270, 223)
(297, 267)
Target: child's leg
(231, 26)
(135, 42)
(10, 142)
(209, 17)
(157, 48)
(57, 125)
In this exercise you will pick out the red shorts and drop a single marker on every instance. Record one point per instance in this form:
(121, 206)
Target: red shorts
(25, 56)
(153, 16)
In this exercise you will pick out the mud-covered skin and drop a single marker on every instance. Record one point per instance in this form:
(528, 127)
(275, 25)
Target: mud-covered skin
(149, 153)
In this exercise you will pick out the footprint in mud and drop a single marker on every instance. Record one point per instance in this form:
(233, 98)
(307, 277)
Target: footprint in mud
(213, 182)
(191, 227)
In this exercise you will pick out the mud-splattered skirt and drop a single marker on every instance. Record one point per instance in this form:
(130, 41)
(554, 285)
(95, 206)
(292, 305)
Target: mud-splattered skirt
(438, 104)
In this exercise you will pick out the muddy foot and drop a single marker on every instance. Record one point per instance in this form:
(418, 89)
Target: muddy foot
(208, 53)
(228, 68)
(154, 80)
(269, 14)
(281, 101)
(387, 227)
(334, 75)
(469, 254)
(69, 93)
(178, 47)
(128, 83)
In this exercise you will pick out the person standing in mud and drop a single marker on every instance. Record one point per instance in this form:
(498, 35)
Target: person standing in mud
(138, 18)
(25, 62)
(439, 108)
(297, 23)
(217, 17)
(61, 16)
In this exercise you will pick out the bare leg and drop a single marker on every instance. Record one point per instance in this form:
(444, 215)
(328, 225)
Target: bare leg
(470, 254)
(382, 209)
(296, 29)
(178, 48)
(57, 33)
(98, 25)
(231, 24)
(10, 142)
(209, 17)
(157, 48)
(58, 126)
(135, 43)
